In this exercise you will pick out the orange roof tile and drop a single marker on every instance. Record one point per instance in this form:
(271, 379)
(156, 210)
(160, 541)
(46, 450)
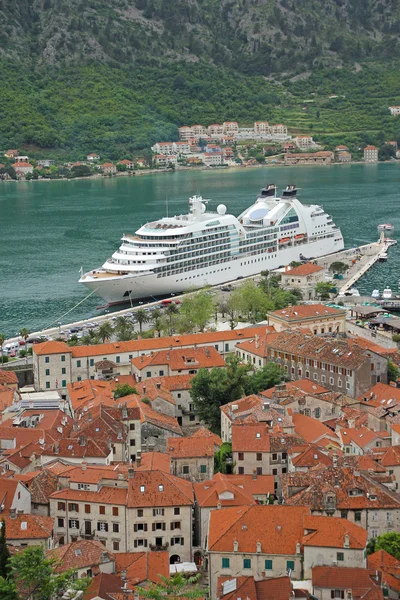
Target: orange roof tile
(362, 436)
(331, 532)
(7, 377)
(258, 437)
(79, 555)
(90, 393)
(311, 430)
(156, 488)
(176, 341)
(106, 586)
(307, 311)
(382, 395)
(304, 270)
(143, 566)
(33, 527)
(277, 588)
(232, 490)
(191, 447)
(278, 528)
(361, 581)
(51, 347)
(106, 495)
(181, 359)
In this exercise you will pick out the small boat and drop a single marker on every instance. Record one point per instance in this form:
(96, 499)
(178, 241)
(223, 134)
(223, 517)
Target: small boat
(375, 294)
(383, 257)
(387, 293)
(386, 227)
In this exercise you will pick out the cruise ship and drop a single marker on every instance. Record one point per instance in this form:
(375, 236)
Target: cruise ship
(174, 254)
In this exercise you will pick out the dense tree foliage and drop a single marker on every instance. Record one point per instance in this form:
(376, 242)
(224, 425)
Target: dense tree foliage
(390, 542)
(212, 389)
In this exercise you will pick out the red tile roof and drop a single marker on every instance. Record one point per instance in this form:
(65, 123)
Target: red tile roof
(155, 344)
(311, 430)
(104, 586)
(143, 566)
(51, 347)
(182, 359)
(32, 527)
(74, 448)
(303, 270)
(89, 393)
(278, 528)
(277, 588)
(79, 555)
(156, 488)
(307, 311)
(361, 581)
(8, 489)
(106, 495)
(193, 447)
(232, 490)
(331, 532)
(7, 377)
(258, 437)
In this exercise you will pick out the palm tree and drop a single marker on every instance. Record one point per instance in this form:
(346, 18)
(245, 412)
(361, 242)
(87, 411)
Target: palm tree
(156, 317)
(141, 317)
(24, 333)
(73, 340)
(2, 340)
(89, 338)
(123, 329)
(105, 331)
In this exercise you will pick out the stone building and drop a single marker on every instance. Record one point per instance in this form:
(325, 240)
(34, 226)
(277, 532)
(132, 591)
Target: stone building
(272, 541)
(337, 364)
(192, 457)
(320, 319)
(303, 278)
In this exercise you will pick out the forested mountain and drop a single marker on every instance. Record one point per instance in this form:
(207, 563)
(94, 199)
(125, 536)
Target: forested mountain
(117, 73)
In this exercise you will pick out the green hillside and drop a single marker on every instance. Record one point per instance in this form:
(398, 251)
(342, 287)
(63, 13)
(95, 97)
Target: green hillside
(116, 76)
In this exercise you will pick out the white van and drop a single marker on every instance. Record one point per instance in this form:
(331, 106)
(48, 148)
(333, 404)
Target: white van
(11, 347)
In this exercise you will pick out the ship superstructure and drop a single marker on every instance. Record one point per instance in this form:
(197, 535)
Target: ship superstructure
(200, 248)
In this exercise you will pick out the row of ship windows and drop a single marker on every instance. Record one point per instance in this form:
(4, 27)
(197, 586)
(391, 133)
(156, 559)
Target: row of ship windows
(202, 275)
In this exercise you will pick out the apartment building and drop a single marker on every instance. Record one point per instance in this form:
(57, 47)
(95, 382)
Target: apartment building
(176, 362)
(182, 147)
(320, 319)
(273, 541)
(303, 141)
(258, 449)
(346, 582)
(28, 530)
(303, 278)
(394, 110)
(226, 491)
(345, 492)
(148, 510)
(164, 160)
(163, 148)
(212, 159)
(192, 458)
(371, 154)
(337, 364)
(55, 364)
(322, 157)
(185, 133)
(261, 127)
(254, 408)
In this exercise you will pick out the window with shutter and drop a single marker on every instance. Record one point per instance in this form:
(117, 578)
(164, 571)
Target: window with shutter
(135, 528)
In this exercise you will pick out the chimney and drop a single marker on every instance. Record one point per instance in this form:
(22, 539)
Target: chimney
(84, 466)
(124, 412)
(335, 460)
(235, 546)
(258, 547)
(131, 473)
(56, 449)
(254, 474)
(13, 513)
(298, 548)
(257, 341)
(139, 459)
(346, 541)
(158, 385)
(82, 440)
(144, 389)
(219, 505)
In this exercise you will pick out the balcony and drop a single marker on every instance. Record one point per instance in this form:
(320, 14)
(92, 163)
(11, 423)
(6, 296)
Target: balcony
(159, 547)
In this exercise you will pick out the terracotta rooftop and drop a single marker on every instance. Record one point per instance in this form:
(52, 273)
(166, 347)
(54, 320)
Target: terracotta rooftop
(310, 429)
(32, 527)
(331, 532)
(336, 352)
(257, 346)
(382, 395)
(8, 489)
(89, 393)
(360, 437)
(80, 554)
(277, 588)
(143, 566)
(278, 528)
(155, 344)
(259, 407)
(306, 311)
(361, 581)
(156, 488)
(7, 377)
(76, 448)
(105, 586)
(258, 437)
(232, 490)
(148, 414)
(182, 359)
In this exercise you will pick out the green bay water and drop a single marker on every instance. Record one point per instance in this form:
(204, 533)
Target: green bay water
(50, 229)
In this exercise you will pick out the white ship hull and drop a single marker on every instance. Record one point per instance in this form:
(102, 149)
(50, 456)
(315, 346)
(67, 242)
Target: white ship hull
(114, 289)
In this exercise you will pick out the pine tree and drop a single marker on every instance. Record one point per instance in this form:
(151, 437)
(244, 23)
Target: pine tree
(4, 552)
